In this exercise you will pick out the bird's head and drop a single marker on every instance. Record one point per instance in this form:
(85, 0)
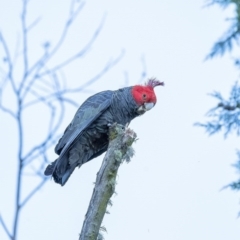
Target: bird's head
(144, 96)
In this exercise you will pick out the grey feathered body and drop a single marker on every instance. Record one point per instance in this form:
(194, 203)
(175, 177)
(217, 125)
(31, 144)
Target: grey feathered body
(86, 137)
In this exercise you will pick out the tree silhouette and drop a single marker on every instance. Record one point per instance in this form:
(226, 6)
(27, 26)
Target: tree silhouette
(225, 116)
(39, 87)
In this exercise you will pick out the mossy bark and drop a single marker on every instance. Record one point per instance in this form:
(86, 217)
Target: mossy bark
(119, 149)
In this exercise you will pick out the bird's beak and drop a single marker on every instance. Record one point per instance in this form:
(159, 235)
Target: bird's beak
(148, 106)
(145, 107)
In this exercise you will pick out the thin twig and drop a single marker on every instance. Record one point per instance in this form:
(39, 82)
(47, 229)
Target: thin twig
(5, 227)
(33, 192)
(25, 42)
(52, 131)
(33, 24)
(7, 110)
(77, 55)
(9, 61)
(99, 75)
(36, 152)
(46, 57)
(19, 170)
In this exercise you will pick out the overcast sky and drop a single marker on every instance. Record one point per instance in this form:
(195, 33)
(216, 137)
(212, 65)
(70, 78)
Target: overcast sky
(171, 190)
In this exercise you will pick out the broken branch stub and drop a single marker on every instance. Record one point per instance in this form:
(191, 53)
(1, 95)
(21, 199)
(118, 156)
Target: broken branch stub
(119, 149)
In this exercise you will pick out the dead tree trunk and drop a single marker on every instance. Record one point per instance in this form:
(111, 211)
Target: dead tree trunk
(119, 149)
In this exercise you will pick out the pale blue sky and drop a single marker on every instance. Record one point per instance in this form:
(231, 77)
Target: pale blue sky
(171, 188)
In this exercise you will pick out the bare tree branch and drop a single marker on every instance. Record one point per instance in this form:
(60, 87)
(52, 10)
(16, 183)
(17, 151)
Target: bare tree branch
(52, 131)
(119, 149)
(77, 55)
(7, 110)
(73, 14)
(69, 60)
(5, 227)
(37, 151)
(40, 84)
(25, 41)
(46, 57)
(107, 67)
(33, 24)
(99, 75)
(33, 192)
(9, 61)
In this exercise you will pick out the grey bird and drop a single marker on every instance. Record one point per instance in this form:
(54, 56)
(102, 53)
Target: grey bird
(86, 137)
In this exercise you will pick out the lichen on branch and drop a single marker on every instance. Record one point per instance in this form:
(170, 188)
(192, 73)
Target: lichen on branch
(119, 149)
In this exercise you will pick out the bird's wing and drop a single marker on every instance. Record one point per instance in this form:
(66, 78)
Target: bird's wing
(89, 111)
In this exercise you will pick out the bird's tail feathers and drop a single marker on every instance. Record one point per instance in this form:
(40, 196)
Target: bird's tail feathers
(50, 168)
(62, 179)
(60, 170)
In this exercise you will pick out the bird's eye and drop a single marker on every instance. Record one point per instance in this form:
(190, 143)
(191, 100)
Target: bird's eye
(144, 95)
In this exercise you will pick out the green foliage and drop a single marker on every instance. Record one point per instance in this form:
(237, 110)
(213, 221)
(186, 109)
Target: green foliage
(223, 3)
(236, 185)
(232, 35)
(225, 116)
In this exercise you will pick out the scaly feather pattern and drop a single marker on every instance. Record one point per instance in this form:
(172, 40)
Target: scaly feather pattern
(86, 137)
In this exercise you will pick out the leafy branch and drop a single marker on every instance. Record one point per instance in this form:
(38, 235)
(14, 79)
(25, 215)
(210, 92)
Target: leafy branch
(231, 37)
(225, 116)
